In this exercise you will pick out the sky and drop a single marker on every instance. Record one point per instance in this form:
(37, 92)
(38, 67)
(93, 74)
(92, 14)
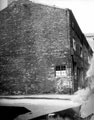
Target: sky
(82, 10)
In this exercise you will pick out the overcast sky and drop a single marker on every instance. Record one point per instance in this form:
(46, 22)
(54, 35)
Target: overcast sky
(82, 9)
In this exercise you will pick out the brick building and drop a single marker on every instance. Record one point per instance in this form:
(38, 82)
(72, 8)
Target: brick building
(42, 50)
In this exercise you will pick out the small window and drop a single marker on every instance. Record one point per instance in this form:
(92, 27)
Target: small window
(60, 70)
(74, 44)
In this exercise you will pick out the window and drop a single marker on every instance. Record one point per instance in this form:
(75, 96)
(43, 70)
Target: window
(62, 67)
(60, 71)
(74, 44)
(89, 59)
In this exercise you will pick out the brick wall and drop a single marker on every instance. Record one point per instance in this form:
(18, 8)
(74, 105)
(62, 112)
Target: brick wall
(33, 40)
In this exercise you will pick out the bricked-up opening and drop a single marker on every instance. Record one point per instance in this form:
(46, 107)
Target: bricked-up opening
(60, 70)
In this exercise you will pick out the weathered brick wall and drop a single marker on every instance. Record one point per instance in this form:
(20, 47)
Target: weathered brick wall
(33, 39)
